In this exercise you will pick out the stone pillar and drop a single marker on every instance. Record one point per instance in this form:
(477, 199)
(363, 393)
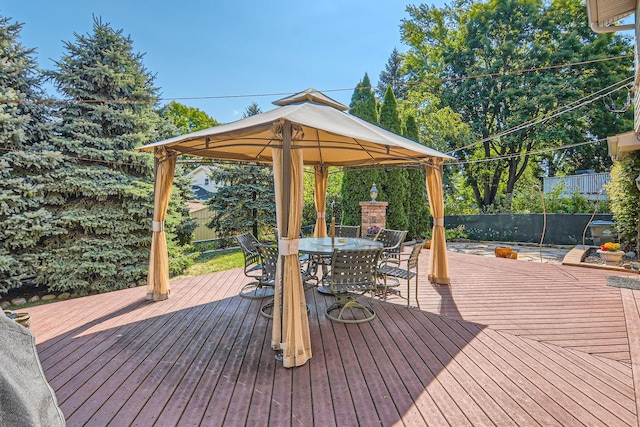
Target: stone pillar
(374, 214)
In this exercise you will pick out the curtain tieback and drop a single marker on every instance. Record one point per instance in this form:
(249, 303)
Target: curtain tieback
(157, 226)
(288, 246)
(321, 214)
(438, 222)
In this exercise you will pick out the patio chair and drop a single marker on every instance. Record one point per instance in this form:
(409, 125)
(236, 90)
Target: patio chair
(269, 259)
(347, 231)
(389, 272)
(392, 241)
(307, 230)
(353, 273)
(252, 268)
(308, 268)
(325, 261)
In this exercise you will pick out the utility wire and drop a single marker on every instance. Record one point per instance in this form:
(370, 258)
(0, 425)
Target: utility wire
(258, 95)
(532, 153)
(554, 113)
(557, 112)
(524, 125)
(84, 159)
(265, 165)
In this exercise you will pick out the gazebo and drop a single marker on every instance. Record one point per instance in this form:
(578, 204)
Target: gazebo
(308, 128)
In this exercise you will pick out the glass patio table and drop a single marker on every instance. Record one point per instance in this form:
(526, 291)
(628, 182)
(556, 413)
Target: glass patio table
(323, 247)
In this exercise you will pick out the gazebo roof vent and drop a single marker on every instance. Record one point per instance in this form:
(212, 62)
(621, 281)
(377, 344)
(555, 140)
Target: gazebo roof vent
(312, 95)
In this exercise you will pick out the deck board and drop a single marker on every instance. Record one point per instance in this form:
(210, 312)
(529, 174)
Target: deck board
(539, 344)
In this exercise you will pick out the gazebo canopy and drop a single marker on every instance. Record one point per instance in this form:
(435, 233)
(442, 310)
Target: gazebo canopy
(326, 134)
(309, 128)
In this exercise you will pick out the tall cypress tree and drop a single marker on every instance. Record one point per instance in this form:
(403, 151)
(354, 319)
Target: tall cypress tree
(102, 197)
(363, 101)
(356, 183)
(417, 208)
(394, 187)
(25, 162)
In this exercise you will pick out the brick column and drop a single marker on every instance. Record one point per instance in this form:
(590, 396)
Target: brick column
(373, 214)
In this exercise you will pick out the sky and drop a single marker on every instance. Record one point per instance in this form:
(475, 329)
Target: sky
(222, 50)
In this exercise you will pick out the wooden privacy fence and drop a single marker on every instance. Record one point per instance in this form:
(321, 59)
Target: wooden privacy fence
(201, 214)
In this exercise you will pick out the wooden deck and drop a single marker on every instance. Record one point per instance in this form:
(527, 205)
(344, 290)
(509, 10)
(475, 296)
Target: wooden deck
(508, 343)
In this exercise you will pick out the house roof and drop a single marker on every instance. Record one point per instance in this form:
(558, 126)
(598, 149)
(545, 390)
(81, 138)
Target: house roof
(604, 13)
(195, 206)
(622, 143)
(200, 193)
(206, 169)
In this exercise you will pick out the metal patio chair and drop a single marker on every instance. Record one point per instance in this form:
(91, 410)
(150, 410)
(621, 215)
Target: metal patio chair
(410, 270)
(347, 231)
(325, 261)
(269, 259)
(252, 268)
(392, 241)
(353, 273)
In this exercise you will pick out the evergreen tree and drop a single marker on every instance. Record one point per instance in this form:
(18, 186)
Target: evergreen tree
(417, 208)
(102, 196)
(363, 101)
(245, 200)
(251, 110)
(356, 183)
(393, 76)
(395, 184)
(25, 161)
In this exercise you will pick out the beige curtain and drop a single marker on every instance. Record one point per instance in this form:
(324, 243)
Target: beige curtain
(290, 321)
(438, 264)
(321, 176)
(158, 278)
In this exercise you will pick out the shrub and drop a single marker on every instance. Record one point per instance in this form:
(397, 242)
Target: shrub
(455, 233)
(624, 196)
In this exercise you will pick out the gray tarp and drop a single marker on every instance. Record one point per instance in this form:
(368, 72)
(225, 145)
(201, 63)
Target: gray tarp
(26, 397)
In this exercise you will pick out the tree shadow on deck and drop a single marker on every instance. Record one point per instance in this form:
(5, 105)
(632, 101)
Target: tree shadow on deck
(208, 360)
(204, 357)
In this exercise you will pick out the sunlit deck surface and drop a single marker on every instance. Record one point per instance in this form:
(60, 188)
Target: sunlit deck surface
(507, 343)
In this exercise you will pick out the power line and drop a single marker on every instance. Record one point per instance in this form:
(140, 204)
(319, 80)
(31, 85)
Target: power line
(554, 113)
(532, 153)
(84, 159)
(272, 94)
(533, 69)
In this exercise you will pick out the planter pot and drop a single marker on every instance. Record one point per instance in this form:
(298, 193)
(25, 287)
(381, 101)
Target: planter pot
(610, 257)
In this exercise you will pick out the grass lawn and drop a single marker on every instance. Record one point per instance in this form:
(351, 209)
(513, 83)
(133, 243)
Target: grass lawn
(211, 262)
